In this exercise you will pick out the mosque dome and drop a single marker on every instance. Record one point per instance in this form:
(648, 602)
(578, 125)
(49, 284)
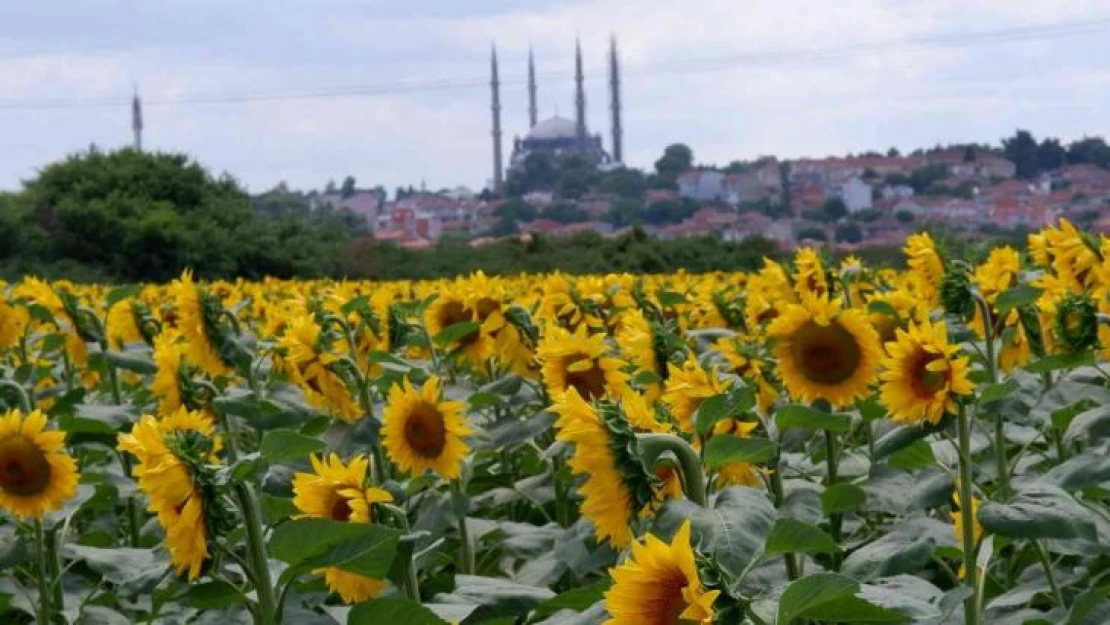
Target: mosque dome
(554, 128)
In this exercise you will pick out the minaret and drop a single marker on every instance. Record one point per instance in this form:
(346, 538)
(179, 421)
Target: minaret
(137, 120)
(615, 98)
(531, 90)
(495, 91)
(579, 93)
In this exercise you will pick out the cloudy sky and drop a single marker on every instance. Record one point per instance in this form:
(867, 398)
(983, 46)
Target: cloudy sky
(395, 92)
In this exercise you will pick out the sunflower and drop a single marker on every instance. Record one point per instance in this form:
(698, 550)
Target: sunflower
(36, 473)
(611, 501)
(752, 368)
(192, 319)
(13, 324)
(810, 279)
(924, 261)
(580, 361)
(686, 388)
(337, 491)
(636, 339)
(448, 309)
(310, 365)
(923, 374)
(825, 352)
(169, 482)
(659, 585)
(169, 357)
(421, 431)
(736, 473)
(123, 325)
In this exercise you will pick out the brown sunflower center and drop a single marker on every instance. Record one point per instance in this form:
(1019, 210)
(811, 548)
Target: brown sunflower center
(454, 312)
(341, 510)
(826, 354)
(425, 431)
(24, 469)
(486, 307)
(589, 383)
(926, 383)
(670, 601)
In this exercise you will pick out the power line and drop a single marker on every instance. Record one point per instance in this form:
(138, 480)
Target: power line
(709, 64)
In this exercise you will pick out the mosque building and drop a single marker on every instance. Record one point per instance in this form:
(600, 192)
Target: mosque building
(558, 136)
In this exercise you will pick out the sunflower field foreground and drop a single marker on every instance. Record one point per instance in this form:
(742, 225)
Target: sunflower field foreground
(810, 442)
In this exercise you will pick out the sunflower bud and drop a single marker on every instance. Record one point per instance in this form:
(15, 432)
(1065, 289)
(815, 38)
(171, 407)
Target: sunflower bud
(1077, 322)
(955, 294)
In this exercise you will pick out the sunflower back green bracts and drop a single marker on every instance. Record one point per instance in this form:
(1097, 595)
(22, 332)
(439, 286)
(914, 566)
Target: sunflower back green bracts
(1076, 322)
(626, 454)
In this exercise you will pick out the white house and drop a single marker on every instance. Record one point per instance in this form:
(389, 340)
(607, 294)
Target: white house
(702, 184)
(855, 193)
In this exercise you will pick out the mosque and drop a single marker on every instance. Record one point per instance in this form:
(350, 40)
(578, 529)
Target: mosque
(558, 136)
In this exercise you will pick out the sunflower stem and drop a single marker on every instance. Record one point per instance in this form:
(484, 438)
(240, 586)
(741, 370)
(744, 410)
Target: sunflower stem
(45, 614)
(832, 461)
(1001, 464)
(778, 493)
(134, 518)
(256, 551)
(1042, 555)
(967, 516)
(652, 446)
(54, 563)
(20, 394)
(466, 550)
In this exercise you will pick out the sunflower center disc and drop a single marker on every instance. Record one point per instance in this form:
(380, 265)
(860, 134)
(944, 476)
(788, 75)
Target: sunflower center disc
(926, 383)
(341, 510)
(590, 383)
(24, 469)
(425, 431)
(826, 354)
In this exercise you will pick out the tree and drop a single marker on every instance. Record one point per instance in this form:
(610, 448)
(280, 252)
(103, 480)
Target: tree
(565, 213)
(813, 233)
(904, 216)
(849, 233)
(330, 186)
(1090, 150)
(348, 187)
(624, 212)
(834, 209)
(515, 209)
(627, 183)
(1051, 155)
(676, 159)
(1022, 150)
(893, 153)
(969, 154)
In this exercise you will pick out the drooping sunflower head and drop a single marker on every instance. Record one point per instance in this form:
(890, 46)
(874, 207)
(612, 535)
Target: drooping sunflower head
(421, 431)
(660, 585)
(617, 486)
(169, 357)
(1074, 254)
(825, 352)
(923, 374)
(36, 473)
(749, 362)
(196, 316)
(123, 324)
(581, 361)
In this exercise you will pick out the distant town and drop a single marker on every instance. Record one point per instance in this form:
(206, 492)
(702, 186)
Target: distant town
(873, 199)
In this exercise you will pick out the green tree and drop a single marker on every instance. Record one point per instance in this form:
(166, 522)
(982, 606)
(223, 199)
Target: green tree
(849, 233)
(626, 183)
(1022, 149)
(1090, 150)
(347, 189)
(624, 212)
(676, 159)
(834, 209)
(1051, 155)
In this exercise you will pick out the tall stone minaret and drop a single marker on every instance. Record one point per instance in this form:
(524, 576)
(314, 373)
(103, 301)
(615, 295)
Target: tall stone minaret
(495, 107)
(137, 120)
(579, 93)
(615, 100)
(531, 90)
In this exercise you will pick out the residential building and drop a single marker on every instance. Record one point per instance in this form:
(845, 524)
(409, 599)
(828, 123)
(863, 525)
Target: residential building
(855, 193)
(704, 185)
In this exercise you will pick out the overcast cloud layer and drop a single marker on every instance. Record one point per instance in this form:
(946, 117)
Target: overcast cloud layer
(67, 68)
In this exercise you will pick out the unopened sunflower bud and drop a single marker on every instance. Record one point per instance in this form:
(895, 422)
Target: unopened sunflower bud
(1077, 322)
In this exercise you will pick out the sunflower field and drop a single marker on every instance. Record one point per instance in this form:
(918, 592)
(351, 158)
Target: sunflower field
(813, 442)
